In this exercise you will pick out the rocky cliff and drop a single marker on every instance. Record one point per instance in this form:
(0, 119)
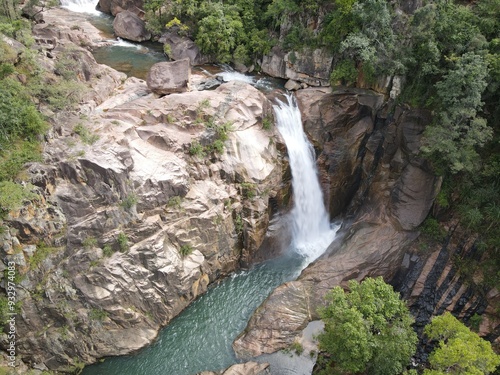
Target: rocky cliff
(138, 209)
(370, 169)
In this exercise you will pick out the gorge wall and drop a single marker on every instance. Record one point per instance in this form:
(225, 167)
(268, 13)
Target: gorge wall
(131, 222)
(371, 171)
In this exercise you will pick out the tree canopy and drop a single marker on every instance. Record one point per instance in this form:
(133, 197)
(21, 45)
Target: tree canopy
(367, 329)
(459, 350)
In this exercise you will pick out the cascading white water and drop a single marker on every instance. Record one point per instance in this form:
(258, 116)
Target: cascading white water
(80, 6)
(312, 231)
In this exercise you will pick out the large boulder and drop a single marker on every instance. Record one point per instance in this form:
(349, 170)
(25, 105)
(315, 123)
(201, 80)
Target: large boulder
(182, 47)
(169, 77)
(116, 6)
(128, 25)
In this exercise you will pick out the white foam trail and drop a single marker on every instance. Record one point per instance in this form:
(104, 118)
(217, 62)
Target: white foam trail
(123, 43)
(80, 6)
(312, 231)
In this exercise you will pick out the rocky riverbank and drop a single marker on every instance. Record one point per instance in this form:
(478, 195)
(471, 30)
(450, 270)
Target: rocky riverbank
(142, 202)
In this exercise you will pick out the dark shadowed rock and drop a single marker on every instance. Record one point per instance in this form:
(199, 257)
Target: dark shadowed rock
(274, 63)
(169, 77)
(128, 25)
(182, 48)
(116, 6)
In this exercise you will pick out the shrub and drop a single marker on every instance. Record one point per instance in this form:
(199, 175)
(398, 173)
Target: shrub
(249, 190)
(107, 250)
(85, 134)
(122, 241)
(129, 201)
(175, 202)
(431, 228)
(89, 242)
(185, 250)
(196, 149)
(345, 72)
(267, 123)
(13, 195)
(97, 314)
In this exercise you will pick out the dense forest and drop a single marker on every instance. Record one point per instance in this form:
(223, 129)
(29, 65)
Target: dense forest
(447, 52)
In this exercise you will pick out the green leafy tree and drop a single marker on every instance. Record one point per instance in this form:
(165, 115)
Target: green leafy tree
(367, 329)
(458, 131)
(220, 32)
(460, 351)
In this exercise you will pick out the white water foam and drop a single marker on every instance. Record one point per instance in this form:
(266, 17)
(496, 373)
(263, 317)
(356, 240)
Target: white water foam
(119, 42)
(80, 6)
(312, 231)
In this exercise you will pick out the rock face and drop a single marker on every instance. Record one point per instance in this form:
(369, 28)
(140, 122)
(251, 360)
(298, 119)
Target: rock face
(128, 25)
(312, 67)
(371, 160)
(169, 77)
(182, 48)
(131, 223)
(114, 7)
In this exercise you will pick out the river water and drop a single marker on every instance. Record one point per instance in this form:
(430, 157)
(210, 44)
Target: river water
(200, 338)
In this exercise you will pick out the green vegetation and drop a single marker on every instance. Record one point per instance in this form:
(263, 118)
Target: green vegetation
(185, 250)
(459, 350)
(175, 202)
(107, 251)
(41, 253)
(13, 195)
(89, 242)
(122, 241)
(27, 86)
(129, 201)
(85, 134)
(367, 330)
(97, 314)
(249, 190)
(297, 348)
(267, 123)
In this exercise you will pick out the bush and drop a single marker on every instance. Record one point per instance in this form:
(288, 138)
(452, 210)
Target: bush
(267, 123)
(89, 242)
(185, 250)
(129, 201)
(107, 250)
(97, 314)
(13, 195)
(85, 134)
(431, 228)
(122, 241)
(345, 72)
(249, 190)
(196, 149)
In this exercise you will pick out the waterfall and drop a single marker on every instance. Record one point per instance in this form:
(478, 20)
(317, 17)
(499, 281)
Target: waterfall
(80, 6)
(312, 232)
